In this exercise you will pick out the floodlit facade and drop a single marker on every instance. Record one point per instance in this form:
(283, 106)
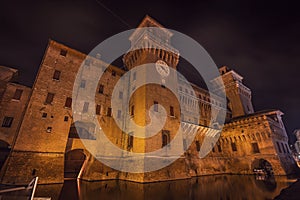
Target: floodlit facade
(39, 136)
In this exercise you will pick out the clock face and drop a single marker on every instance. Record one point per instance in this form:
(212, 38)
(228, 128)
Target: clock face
(162, 68)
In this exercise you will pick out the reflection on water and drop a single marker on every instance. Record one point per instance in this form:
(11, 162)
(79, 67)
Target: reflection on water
(206, 187)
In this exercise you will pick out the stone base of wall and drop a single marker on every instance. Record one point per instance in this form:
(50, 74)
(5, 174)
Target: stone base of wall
(21, 167)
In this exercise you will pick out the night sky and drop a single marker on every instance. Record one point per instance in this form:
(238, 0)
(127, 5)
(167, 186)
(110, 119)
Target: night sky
(258, 39)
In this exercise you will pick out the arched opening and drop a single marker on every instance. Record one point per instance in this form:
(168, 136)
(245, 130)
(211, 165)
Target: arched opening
(4, 151)
(74, 160)
(262, 167)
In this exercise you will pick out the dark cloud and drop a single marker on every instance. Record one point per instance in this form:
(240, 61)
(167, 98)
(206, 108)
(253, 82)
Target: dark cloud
(258, 39)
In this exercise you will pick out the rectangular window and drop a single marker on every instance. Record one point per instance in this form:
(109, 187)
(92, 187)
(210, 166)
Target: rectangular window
(82, 83)
(63, 52)
(134, 76)
(120, 95)
(113, 73)
(155, 106)
(66, 118)
(85, 107)
(255, 148)
(98, 109)
(233, 146)
(49, 98)
(68, 103)
(132, 110)
(18, 94)
(172, 111)
(101, 89)
(166, 138)
(219, 147)
(56, 75)
(130, 141)
(44, 115)
(283, 148)
(119, 114)
(198, 146)
(279, 148)
(7, 122)
(109, 112)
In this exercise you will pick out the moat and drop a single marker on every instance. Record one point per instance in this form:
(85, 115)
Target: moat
(205, 187)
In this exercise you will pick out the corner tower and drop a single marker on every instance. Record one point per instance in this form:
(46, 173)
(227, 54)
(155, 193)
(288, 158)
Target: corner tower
(239, 96)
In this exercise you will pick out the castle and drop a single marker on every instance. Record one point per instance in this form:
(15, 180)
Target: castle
(38, 136)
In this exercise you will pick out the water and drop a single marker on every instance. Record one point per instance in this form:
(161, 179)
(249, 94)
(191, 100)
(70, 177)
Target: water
(205, 187)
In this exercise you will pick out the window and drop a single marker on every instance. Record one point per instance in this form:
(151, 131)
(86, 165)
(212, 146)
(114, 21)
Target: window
(155, 106)
(132, 110)
(68, 102)
(98, 109)
(109, 112)
(283, 148)
(18, 94)
(172, 111)
(213, 148)
(198, 145)
(49, 98)
(119, 114)
(278, 147)
(113, 73)
(130, 142)
(56, 75)
(63, 52)
(134, 76)
(85, 107)
(120, 95)
(44, 115)
(7, 121)
(233, 146)
(219, 147)
(287, 148)
(49, 129)
(82, 83)
(255, 148)
(101, 89)
(66, 118)
(165, 137)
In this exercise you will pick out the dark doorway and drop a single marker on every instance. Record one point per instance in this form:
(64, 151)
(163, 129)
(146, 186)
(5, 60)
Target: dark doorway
(4, 151)
(73, 163)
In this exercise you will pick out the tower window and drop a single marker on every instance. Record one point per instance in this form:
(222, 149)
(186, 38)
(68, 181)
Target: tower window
(130, 142)
(172, 111)
(7, 122)
(132, 110)
(233, 146)
(155, 106)
(165, 137)
(85, 107)
(44, 115)
(109, 112)
(56, 75)
(68, 102)
(82, 83)
(49, 98)
(113, 73)
(119, 114)
(219, 147)
(63, 52)
(18, 94)
(120, 95)
(278, 146)
(255, 148)
(66, 118)
(101, 89)
(198, 145)
(98, 109)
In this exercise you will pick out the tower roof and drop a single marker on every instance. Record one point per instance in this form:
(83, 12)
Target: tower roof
(150, 22)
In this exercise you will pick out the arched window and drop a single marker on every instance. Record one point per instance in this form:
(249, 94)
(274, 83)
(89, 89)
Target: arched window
(165, 137)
